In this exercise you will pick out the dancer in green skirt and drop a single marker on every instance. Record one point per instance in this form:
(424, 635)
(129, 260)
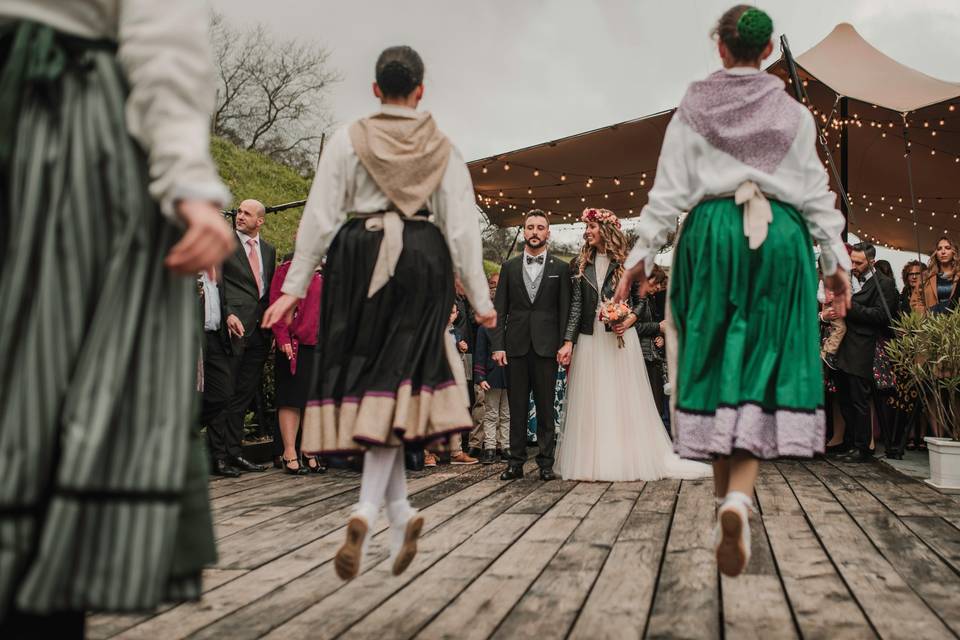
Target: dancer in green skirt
(109, 203)
(740, 156)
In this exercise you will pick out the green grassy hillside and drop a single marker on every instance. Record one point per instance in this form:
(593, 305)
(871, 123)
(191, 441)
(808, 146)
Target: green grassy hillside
(252, 175)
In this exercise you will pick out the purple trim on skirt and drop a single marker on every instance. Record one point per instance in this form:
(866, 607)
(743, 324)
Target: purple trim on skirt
(766, 435)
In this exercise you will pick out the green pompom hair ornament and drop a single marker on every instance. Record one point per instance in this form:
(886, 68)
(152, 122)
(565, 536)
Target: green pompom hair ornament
(755, 27)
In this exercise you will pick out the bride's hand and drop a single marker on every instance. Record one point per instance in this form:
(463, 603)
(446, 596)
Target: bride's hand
(621, 327)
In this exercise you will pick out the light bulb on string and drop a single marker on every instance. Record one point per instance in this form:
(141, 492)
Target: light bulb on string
(616, 181)
(484, 169)
(563, 177)
(506, 166)
(536, 172)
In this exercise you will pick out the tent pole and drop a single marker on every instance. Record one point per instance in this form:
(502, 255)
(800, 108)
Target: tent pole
(843, 168)
(802, 98)
(513, 244)
(913, 202)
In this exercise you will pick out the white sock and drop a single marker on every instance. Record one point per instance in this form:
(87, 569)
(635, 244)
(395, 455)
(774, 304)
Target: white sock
(397, 482)
(377, 467)
(739, 497)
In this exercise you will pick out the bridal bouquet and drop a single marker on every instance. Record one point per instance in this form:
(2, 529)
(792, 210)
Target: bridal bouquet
(613, 313)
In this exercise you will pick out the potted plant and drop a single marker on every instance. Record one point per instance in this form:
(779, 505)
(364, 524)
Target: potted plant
(926, 356)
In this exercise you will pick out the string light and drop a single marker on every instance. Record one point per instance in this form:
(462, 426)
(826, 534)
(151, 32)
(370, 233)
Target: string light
(536, 172)
(506, 166)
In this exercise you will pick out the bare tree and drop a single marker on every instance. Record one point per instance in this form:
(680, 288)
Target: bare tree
(271, 93)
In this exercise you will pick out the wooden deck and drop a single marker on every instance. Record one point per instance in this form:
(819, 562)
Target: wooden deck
(839, 551)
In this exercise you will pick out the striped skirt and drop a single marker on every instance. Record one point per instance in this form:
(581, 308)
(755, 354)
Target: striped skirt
(103, 502)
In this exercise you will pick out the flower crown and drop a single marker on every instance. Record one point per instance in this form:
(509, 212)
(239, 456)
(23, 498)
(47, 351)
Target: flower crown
(600, 216)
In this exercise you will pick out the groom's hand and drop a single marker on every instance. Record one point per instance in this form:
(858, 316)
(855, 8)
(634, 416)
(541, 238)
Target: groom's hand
(500, 357)
(565, 354)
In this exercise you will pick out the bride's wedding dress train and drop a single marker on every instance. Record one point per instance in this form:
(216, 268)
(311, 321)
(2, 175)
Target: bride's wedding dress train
(613, 431)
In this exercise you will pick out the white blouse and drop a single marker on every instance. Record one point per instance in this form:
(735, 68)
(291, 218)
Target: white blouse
(690, 169)
(343, 185)
(165, 56)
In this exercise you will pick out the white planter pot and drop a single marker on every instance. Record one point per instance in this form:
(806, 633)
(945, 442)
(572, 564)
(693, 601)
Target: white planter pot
(944, 464)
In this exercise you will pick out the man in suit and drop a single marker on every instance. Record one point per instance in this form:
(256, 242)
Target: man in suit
(867, 320)
(533, 300)
(219, 370)
(245, 293)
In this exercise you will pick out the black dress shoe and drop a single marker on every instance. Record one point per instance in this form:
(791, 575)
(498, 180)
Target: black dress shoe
(475, 452)
(245, 465)
(505, 455)
(547, 474)
(512, 473)
(225, 469)
(841, 452)
(856, 458)
(489, 456)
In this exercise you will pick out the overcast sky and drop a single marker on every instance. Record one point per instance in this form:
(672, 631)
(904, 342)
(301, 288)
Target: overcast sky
(505, 74)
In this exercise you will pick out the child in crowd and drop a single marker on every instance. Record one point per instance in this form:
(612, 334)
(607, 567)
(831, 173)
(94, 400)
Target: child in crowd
(492, 379)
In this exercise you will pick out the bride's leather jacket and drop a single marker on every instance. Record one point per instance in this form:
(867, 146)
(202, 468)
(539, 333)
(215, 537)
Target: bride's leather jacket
(585, 299)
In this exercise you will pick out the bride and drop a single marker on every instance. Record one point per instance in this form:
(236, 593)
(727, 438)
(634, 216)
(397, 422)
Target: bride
(613, 429)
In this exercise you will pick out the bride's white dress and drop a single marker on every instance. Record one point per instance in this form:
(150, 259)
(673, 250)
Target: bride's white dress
(613, 430)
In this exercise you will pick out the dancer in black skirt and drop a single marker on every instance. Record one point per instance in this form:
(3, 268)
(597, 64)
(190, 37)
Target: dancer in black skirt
(393, 207)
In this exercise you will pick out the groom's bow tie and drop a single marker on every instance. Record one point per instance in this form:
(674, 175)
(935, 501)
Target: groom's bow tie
(532, 259)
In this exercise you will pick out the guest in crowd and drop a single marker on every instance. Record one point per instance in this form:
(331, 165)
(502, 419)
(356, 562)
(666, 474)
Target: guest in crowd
(109, 208)
(478, 408)
(245, 285)
(219, 367)
(867, 322)
(293, 368)
(908, 428)
(911, 274)
(455, 444)
(938, 288)
(492, 380)
(937, 293)
(883, 378)
(649, 331)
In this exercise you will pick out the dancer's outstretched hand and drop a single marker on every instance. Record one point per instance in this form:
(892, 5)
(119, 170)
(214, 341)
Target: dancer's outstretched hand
(839, 285)
(207, 241)
(488, 320)
(637, 274)
(282, 309)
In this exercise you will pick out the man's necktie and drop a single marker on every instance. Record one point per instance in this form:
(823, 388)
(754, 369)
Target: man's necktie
(537, 259)
(255, 263)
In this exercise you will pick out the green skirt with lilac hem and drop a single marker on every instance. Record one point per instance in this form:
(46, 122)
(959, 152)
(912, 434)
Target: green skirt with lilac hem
(748, 367)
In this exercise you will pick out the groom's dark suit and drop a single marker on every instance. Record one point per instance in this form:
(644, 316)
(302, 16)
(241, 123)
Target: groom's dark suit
(533, 316)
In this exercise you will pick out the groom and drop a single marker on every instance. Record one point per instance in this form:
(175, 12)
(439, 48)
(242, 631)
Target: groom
(533, 299)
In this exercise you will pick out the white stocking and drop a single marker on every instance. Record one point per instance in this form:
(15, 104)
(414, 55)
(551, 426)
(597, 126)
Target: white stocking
(397, 485)
(378, 463)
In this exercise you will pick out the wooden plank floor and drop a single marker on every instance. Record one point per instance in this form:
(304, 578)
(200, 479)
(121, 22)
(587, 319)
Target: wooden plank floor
(839, 551)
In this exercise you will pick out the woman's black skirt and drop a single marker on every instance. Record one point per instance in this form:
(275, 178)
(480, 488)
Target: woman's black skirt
(384, 374)
(293, 389)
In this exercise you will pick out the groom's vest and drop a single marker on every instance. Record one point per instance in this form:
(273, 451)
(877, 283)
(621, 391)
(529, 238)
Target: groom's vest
(532, 286)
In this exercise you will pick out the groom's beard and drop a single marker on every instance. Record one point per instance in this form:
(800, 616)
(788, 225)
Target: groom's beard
(535, 243)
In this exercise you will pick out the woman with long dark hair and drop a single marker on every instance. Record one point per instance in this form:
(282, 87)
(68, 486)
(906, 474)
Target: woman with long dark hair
(740, 155)
(938, 287)
(612, 430)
